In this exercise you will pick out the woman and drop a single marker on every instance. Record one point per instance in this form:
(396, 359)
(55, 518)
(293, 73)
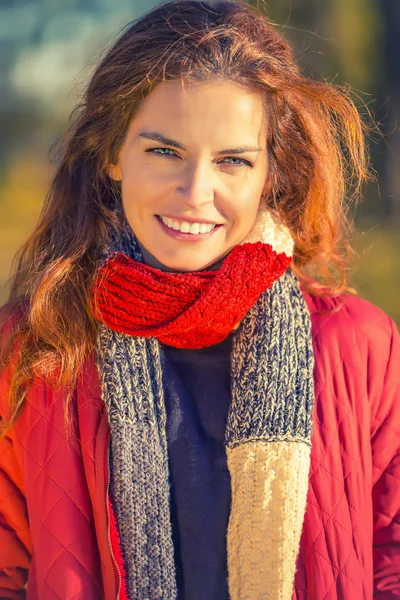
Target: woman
(193, 404)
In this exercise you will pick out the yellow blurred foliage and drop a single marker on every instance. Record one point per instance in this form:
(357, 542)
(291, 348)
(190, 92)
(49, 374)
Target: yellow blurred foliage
(21, 198)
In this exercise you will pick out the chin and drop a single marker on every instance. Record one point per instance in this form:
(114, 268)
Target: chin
(186, 266)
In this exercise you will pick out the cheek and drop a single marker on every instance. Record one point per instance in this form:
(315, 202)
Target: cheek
(141, 173)
(137, 187)
(243, 211)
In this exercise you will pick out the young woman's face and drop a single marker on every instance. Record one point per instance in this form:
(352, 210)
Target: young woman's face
(193, 167)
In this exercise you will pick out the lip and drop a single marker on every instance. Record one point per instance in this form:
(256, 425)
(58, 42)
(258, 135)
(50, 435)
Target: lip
(190, 220)
(187, 237)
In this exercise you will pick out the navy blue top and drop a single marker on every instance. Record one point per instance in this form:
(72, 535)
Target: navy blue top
(197, 397)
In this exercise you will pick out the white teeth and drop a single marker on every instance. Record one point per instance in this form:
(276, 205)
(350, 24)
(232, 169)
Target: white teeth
(185, 227)
(195, 228)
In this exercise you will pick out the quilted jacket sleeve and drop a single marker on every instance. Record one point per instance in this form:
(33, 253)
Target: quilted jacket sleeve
(384, 384)
(14, 551)
(15, 546)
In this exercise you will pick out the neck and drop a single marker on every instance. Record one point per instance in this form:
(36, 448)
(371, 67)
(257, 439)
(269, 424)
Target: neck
(151, 261)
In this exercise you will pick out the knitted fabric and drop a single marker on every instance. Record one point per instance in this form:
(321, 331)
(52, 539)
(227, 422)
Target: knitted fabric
(267, 440)
(183, 309)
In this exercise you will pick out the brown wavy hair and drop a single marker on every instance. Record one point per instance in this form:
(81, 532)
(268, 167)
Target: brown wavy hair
(316, 153)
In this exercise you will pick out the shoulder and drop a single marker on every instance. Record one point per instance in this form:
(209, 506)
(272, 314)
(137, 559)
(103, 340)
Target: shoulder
(347, 317)
(357, 346)
(353, 336)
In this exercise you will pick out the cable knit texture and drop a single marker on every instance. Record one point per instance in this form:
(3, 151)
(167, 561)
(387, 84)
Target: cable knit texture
(268, 432)
(183, 309)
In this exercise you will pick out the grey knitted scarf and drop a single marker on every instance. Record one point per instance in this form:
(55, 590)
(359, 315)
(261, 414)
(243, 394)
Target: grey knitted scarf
(267, 440)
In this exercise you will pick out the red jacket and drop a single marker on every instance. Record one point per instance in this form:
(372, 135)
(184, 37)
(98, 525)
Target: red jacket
(55, 520)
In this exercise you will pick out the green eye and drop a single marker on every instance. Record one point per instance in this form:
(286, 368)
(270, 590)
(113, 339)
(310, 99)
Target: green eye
(155, 151)
(241, 161)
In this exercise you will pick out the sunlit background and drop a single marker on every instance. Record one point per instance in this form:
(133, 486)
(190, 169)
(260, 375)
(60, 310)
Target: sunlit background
(48, 49)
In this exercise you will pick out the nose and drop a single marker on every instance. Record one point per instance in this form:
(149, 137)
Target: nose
(198, 186)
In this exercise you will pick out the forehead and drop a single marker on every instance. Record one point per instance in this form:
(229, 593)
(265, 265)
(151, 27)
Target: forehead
(218, 108)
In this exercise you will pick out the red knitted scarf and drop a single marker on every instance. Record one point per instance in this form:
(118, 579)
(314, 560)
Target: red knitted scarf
(185, 310)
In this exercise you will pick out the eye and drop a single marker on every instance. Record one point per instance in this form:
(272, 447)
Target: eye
(157, 151)
(242, 161)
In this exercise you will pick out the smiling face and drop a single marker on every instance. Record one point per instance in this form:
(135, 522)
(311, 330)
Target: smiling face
(193, 167)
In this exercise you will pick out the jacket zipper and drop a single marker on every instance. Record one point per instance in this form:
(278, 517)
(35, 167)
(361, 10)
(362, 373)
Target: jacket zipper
(109, 520)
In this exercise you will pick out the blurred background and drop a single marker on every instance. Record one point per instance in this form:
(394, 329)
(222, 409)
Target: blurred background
(48, 49)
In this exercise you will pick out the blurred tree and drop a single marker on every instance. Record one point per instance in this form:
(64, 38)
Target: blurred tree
(337, 40)
(300, 23)
(390, 167)
(352, 26)
(334, 40)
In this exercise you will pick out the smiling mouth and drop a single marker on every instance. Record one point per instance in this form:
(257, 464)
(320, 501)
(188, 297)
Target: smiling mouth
(187, 227)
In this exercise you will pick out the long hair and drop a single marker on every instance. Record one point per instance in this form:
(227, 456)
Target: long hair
(317, 160)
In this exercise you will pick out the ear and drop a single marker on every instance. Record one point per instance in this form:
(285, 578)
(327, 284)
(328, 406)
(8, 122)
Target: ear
(114, 172)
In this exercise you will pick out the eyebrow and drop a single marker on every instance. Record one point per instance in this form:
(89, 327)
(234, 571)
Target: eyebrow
(158, 137)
